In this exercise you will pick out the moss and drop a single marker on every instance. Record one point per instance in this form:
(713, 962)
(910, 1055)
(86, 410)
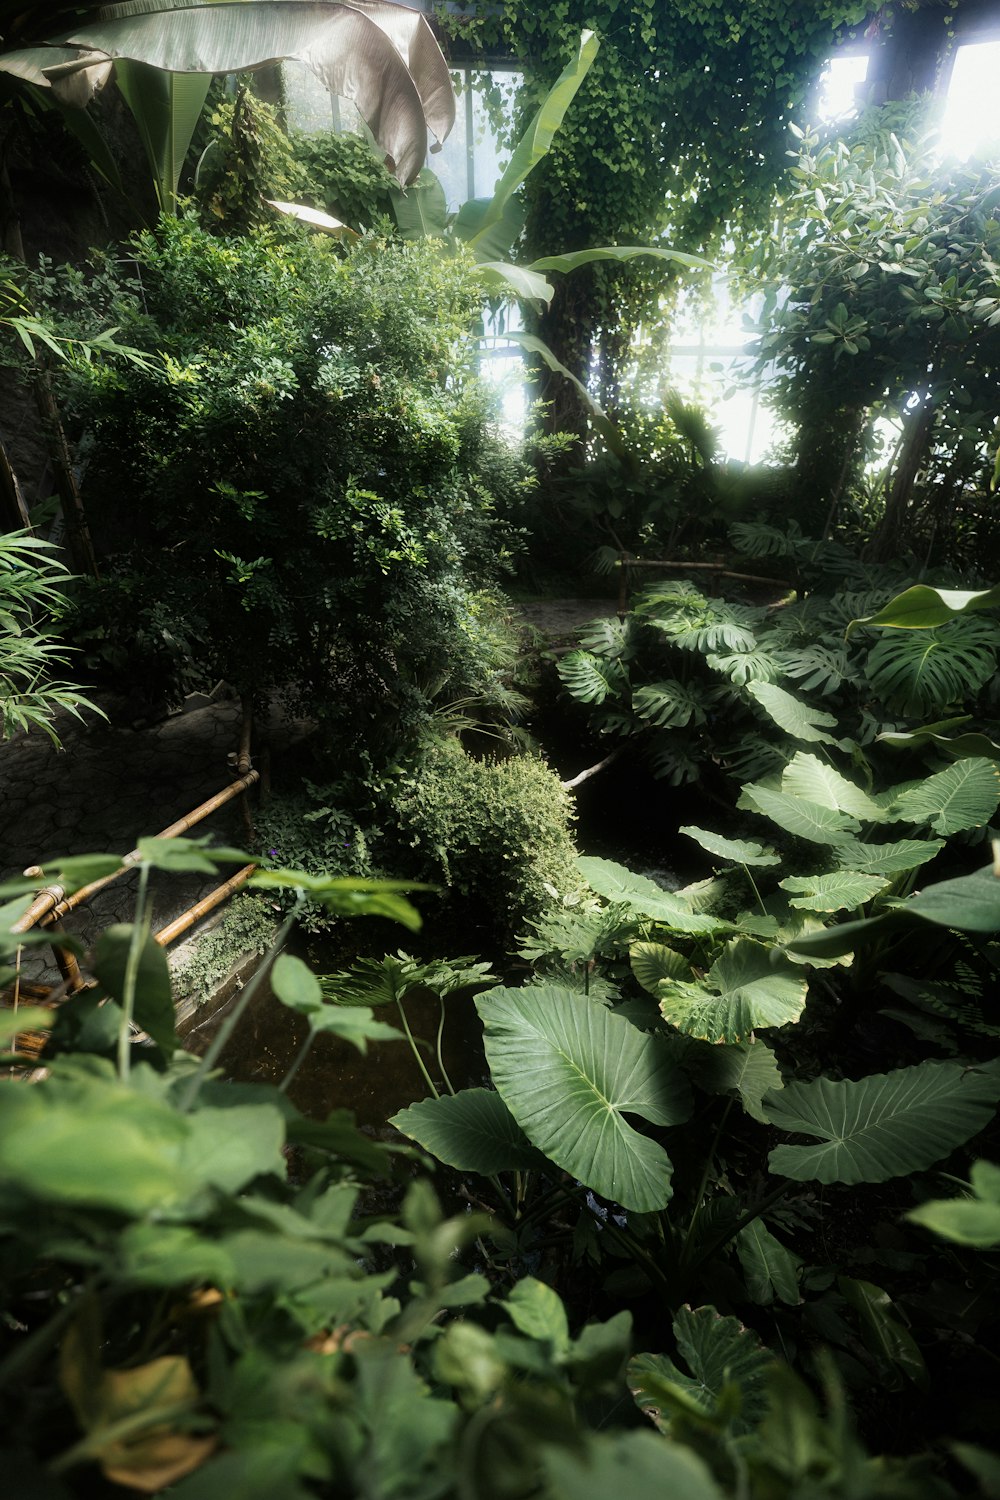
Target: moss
(246, 928)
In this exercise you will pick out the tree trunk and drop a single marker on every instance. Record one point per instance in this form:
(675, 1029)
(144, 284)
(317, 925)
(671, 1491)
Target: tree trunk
(888, 535)
(79, 543)
(13, 511)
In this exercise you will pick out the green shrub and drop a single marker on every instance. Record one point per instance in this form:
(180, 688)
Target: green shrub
(247, 928)
(344, 177)
(313, 465)
(497, 832)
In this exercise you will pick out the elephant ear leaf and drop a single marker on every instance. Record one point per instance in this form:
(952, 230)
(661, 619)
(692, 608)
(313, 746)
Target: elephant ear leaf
(721, 1355)
(568, 1071)
(746, 988)
(887, 1125)
(964, 795)
(472, 1130)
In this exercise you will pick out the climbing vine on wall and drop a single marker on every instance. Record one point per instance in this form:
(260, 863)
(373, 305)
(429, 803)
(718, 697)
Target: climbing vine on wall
(679, 131)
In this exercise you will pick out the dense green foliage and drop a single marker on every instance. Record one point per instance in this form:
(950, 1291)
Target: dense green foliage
(881, 301)
(313, 464)
(679, 131)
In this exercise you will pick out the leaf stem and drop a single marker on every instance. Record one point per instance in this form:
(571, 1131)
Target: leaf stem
(413, 1048)
(140, 928)
(438, 1048)
(297, 1061)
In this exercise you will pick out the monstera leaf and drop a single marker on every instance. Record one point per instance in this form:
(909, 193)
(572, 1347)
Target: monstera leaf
(591, 679)
(747, 987)
(884, 1126)
(669, 704)
(568, 1071)
(920, 672)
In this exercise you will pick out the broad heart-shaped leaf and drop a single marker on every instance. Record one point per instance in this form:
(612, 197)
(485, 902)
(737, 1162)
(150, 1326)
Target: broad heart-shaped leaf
(748, 1069)
(973, 1220)
(812, 779)
(615, 883)
(887, 1125)
(886, 859)
(921, 607)
(844, 890)
(922, 672)
(739, 850)
(965, 795)
(568, 1070)
(796, 718)
(770, 1269)
(720, 1353)
(472, 1130)
(807, 820)
(747, 987)
(153, 998)
(654, 962)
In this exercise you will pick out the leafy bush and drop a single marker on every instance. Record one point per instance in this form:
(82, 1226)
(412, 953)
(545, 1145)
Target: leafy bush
(313, 465)
(344, 177)
(495, 831)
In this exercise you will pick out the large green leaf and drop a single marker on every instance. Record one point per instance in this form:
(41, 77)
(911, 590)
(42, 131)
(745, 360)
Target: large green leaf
(495, 242)
(748, 1069)
(739, 850)
(922, 672)
(421, 209)
(537, 139)
(770, 1268)
(167, 107)
(500, 277)
(669, 704)
(896, 1352)
(887, 1125)
(796, 718)
(568, 1070)
(965, 795)
(619, 254)
(591, 679)
(654, 962)
(599, 419)
(844, 890)
(638, 1464)
(473, 1131)
(812, 779)
(807, 820)
(153, 1002)
(972, 1220)
(721, 1354)
(384, 58)
(615, 883)
(747, 987)
(921, 607)
(886, 859)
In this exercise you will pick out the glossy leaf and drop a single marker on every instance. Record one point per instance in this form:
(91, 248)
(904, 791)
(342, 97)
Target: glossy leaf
(747, 987)
(800, 720)
(167, 107)
(747, 1069)
(472, 1131)
(421, 209)
(769, 1268)
(887, 1125)
(844, 890)
(886, 1336)
(796, 815)
(922, 606)
(923, 672)
(652, 963)
(812, 779)
(720, 1353)
(971, 1220)
(740, 851)
(615, 883)
(568, 1070)
(886, 859)
(537, 139)
(500, 278)
(965, 795)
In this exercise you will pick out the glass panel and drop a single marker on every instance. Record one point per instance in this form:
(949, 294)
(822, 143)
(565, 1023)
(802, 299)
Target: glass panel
(839, 86)
(969, 124)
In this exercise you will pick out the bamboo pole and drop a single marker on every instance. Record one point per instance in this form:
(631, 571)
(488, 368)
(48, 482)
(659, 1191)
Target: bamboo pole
(52, 902)
(187, 919)
(637, 562)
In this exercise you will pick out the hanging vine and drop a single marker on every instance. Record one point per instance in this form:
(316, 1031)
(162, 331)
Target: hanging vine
(679, 133)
